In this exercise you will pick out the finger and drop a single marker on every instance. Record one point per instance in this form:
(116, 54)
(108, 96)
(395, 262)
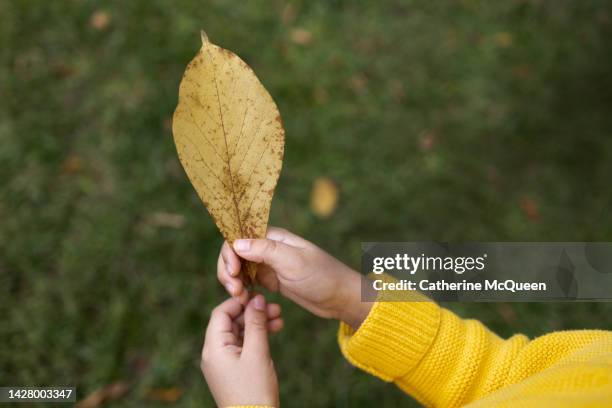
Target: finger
(235, 329)
(240, 321)
(230, 259)
(233, 285)
(287, 237)
(274, 253)
(255, 343)
(273, 311)
(219, 330)
(276, 325)
(273, 325)
(235, 288)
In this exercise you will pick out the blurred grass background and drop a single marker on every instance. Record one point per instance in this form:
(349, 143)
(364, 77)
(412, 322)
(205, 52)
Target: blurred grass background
(444, 120)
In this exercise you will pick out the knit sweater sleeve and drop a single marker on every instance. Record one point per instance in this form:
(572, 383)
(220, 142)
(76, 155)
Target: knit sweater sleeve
(250, 406)
(443, 360)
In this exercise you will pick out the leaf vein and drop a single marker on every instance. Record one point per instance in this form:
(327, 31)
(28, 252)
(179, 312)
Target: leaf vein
(204, 136)
(255, 168)
(250, 144)
(204, 161)
(229, 168)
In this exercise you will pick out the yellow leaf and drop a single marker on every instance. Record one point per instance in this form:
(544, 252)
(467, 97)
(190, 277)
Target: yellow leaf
(230, 140)
(324, 197)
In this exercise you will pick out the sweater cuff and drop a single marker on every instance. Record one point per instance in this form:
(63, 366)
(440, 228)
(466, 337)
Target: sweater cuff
(393, 339)
(250, 406)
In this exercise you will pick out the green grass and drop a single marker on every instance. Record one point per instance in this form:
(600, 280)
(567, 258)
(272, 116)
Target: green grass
(444, 120)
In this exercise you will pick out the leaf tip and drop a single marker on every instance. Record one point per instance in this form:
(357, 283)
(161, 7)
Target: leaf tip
(204, 37)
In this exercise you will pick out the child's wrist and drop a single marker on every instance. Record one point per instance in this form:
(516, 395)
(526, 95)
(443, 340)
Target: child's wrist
(353, 310)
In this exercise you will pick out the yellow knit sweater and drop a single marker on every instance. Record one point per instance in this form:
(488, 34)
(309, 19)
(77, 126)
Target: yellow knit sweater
(444, 361)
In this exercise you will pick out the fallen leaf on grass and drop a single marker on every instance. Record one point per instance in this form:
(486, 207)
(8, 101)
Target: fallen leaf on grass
(164, 219)
(320, 95)
(323, 197)
(73, 164)
(358, 83)
(530, 208)
(522, 71)
(301, 36)
(100, 20)
(107, 393)
(171, 394)
(397, 91)
(288, 14)
(230, 140)
(503, 39)
(427, 140)
(507, 312)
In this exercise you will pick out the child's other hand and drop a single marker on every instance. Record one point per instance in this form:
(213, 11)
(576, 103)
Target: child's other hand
(300, 270)
(236, 358)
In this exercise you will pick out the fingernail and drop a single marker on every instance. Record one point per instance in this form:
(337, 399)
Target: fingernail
(242, 245)
(227, 269)
(230, 288)
(259, 303)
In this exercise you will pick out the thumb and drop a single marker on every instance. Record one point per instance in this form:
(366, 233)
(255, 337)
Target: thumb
(255, 341)
(276, 254)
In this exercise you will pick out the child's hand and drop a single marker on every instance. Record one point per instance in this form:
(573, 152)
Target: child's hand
(238, 368)
(298, 269)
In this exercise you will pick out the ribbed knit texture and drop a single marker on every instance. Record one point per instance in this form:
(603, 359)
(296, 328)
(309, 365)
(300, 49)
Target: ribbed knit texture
(250, 406)
(444, 361)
